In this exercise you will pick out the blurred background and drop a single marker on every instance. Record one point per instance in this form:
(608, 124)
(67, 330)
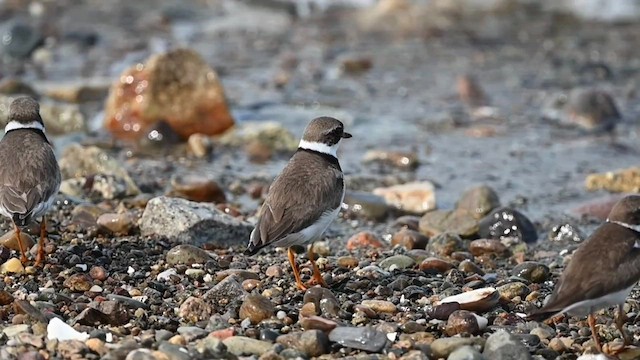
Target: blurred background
(533, 98)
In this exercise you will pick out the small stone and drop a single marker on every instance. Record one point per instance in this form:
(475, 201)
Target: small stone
(314, 322)
(557, 345)
(192, 333)
(532, 271)
(324, 301)
(414, 355)
(174, 351)
(199, 145)
(240, 345)
(187, 255)
(14, 330)
(12, 266)
(487, 247)
(10, 240)
(116, 223)
(20, 39)
(85, 216)
(505, 222)
(96, 345)
(444, 310)
(256, 308)
(193, 223)
(466, 353)
(409, 239)
(61, 331)
(398, 262)
(195, 309)
(435, 264)
(414, 197)
(592, 110)
(478, 201)
(365, 205)
(5, 297)
(361, 338)
(178, 87)
(598, 208)
(462, 322)
(242, 274)
(364, 239)
(140, 354)
(444, 244)
(542, 333)
(250, 284)
(469, 267)
(274, 271)
(441, 348)
(78, 282)
(98, 273)
(502, 346)
(380, 306)
(313, 343)
(515, 289)
(197, 188)
(399, 159)
(457, 221)
(347, 262)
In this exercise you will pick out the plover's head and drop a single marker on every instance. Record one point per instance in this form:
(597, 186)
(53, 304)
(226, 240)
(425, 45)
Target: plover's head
(24, 113)
(323, 135)
(626, 212)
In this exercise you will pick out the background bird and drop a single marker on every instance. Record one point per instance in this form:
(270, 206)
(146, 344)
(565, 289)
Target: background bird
(29, 172)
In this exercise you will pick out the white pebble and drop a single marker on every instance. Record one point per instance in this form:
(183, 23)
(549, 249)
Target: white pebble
(245, 324)
(130, 270)
(166, 275)
(392, 336)
(82, 267)
(281, 315)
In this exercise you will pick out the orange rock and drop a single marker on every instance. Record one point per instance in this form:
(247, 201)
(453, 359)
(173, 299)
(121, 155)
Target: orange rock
(178, 87)
(364, 239)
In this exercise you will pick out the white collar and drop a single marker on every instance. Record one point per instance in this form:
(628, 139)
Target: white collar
(15, 125)
(320, 147)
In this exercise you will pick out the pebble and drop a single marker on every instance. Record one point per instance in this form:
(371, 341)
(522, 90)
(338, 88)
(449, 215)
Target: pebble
(380, 306)
(61, 331)
(256, 308)
(187, 255)
(531, 271)
(116, 223)
(195, 187)
(457, 221)
(443, 347)
(10, 240)
(399, 159)
(192, 222)
(542, 333)
(469, 267)
(98, 273)
(240, 273)
(78, 282)
(174, 352)
(435, 264)
(514, 289)
(409, 239)
(195, 309)
(363, 338)
(314, 322)
(487, 247)
(14, 330)
(506, 222)
(364, 239)
(397, 262)
(5, 297)
(96, 345)
(592, 110)
(445, 244)
(444, 310)
(501, 345)
(347, 262)
(466, 353)
(365, 205)
(192, 333)
(274, 271)
(312, 343)
(413, 197)
(323, 300)
(229, 289)
(12, 266)
(241, 345)
(478, 201)
(20, 39)
(410, 222)
(140, 354)
(464, 322)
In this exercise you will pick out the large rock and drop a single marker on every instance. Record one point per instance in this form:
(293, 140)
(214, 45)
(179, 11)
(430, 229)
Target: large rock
(177, 87)
(625, 180)
(192, 222)
(414, 197)
(502, 346)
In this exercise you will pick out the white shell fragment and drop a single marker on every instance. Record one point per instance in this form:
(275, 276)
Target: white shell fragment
(59, 330)
(475, 300)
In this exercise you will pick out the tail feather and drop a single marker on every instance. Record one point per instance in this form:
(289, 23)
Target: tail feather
(255, 243)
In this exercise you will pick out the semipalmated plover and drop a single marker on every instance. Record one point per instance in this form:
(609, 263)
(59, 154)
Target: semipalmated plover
(29, 172)
(602, 272)
(306, 197)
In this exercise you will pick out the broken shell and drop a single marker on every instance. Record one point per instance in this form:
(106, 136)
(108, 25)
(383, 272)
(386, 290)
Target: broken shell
(475, 300)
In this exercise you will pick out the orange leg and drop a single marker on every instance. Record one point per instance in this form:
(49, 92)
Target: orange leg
(23, 257)
(621, 319)
(43, 233)
(317, 277)
(594, 334)
(296, 271)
